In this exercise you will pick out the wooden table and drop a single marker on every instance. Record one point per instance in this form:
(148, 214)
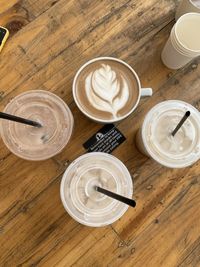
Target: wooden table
(49, 41)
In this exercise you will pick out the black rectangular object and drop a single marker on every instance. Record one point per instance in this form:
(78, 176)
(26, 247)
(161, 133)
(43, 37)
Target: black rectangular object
(105, 140)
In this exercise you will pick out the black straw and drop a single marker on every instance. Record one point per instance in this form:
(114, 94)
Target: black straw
(187, 114)
(9, 117)
(123, 199)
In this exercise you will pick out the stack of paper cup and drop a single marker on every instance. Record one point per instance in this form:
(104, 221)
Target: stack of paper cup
(187, 6)
(183, 44)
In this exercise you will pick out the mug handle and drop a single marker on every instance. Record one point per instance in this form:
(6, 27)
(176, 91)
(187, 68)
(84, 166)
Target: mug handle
(146, 92)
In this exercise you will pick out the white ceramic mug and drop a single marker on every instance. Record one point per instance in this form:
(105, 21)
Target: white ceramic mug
(142, 91)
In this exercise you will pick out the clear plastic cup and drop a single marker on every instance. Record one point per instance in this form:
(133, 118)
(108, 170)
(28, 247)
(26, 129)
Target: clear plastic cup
(154, 138)
(34, 143)
(79, 197)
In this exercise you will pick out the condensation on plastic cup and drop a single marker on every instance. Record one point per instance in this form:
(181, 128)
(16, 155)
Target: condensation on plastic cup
(149, 145)
(73, 179)
(183, 45)
(187, 6)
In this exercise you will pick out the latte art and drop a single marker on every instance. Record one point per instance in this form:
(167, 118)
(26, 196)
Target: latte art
(105, 91)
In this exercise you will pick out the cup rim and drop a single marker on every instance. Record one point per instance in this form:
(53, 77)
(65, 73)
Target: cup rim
(67, 140)
(181, 50)
(192, 3)
(62, 195)
(191, 52)
(105, 58)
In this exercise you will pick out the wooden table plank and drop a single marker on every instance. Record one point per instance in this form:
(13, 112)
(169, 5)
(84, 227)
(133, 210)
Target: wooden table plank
(86, 244)
(165, 240)
(16, 14)
(21, 182)
(39, 42)
(51, 230)
(39, 63)
(193, 259)
(44, 52)
(170, 236)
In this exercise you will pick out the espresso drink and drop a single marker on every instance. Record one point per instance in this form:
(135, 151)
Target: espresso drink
(78, 193)
(106, 89)
(155, 138)
(34, 143)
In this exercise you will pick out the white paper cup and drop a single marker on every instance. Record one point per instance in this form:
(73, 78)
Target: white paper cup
(77, 192)
(154, 138)
(183, 44)
(187, 6)
(142, 91)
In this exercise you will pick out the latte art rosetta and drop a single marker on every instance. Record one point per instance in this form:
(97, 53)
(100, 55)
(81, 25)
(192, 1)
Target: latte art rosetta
(106, 90)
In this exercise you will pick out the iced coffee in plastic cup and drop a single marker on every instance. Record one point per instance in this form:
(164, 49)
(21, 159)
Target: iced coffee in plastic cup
(33, 143)
(155, 140)
(78, 194)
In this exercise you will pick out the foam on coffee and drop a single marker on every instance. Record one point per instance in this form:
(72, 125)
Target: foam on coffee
(106, 89)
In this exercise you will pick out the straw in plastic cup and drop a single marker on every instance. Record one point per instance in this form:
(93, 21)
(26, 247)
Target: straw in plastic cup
(183, 44)
(187, 6)
(155, 139)
(78, 194)
(9, 117)
(37, 143)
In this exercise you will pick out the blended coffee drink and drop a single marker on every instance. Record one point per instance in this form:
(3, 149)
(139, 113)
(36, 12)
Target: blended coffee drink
(155, 137)
(34, 143)
(78, 194)
(107, 89)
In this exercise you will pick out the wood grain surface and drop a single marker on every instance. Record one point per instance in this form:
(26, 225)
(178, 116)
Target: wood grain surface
(49, 40)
